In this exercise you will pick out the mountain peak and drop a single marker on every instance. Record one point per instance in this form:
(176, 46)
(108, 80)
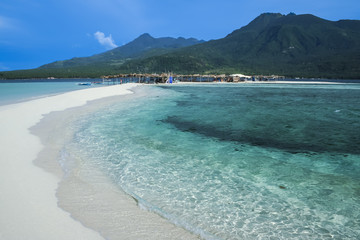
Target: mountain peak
(145, 35)
(273, 43)
(143, 46)
(142, 40)
(264, 19)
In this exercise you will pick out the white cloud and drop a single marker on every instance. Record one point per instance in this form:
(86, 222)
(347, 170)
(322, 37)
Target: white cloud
(107, 42)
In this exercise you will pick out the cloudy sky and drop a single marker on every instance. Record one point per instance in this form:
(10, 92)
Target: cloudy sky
(36, 32)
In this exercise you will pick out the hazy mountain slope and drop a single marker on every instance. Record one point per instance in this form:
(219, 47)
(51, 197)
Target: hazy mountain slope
(143, 46)
(290, 45)
(293, 45)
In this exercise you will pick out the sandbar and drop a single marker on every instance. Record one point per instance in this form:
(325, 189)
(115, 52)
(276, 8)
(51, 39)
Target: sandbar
(38, 200)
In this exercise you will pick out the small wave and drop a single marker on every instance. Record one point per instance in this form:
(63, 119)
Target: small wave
(142, 204)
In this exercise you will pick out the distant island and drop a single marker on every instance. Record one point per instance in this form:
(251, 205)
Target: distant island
(272, 44)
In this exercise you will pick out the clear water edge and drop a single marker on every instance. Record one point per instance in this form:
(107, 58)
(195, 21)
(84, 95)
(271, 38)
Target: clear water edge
(150, 163)
(15, 92)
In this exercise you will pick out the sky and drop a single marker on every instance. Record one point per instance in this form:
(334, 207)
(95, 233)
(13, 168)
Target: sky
(36, 32)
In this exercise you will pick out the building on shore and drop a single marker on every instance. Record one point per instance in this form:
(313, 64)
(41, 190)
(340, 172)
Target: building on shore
(164, 77)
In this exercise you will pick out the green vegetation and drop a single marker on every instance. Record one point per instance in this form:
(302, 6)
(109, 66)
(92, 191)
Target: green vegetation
(105, 63)
(294, 46)
(291, 45)
(142, 47)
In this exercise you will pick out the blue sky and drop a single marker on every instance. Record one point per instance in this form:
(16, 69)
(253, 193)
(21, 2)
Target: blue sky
(36, 32)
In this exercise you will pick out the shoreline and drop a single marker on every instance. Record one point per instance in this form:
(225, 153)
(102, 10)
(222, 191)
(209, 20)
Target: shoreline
(38, 202)
(89, 195)
(264, 82)
(28, 202)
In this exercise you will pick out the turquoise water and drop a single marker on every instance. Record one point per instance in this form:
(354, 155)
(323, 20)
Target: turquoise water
(19, 91)
(262, 161)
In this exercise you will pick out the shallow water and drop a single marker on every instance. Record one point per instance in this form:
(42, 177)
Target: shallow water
(14, 91)
(236, 161)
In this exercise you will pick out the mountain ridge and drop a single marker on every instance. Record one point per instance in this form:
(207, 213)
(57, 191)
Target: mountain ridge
(144, 45)
(290, 45)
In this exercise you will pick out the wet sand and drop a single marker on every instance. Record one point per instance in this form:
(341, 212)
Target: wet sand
(41, 201)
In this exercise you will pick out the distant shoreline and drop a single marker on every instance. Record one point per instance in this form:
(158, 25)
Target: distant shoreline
(286, 80)
(273, 82)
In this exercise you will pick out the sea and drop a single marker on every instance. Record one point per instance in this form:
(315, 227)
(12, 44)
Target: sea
(234, 161)
(14, 91)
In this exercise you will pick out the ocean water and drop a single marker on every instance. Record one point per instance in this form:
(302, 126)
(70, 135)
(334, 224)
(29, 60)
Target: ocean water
(13, 91)
(244, 161)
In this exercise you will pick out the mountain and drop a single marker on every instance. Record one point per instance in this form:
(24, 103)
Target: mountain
(105, 63)
(143, 46)
(291, 45)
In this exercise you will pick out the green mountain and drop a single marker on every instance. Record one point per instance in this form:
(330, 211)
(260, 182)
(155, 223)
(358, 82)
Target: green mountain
(105, 63)
(290, 45)
(142, 47)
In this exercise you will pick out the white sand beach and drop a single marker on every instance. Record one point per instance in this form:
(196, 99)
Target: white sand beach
(29, 207)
